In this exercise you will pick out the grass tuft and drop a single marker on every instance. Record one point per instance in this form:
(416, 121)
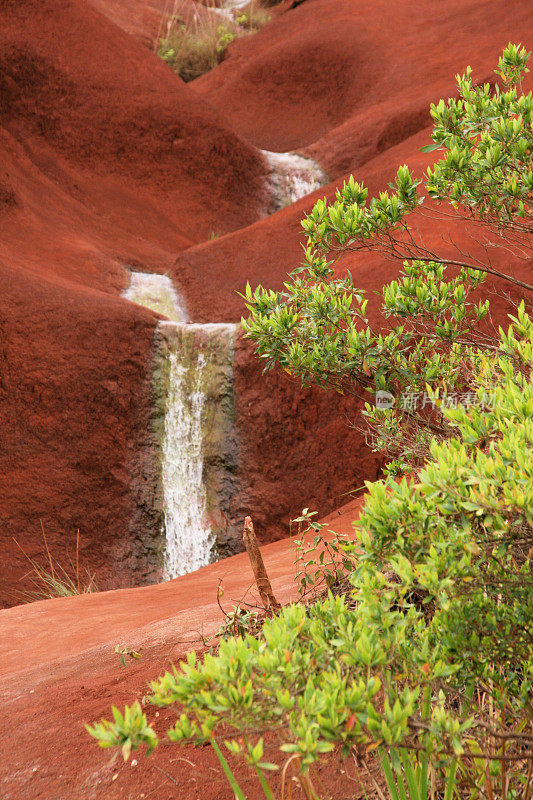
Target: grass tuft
(54, 580)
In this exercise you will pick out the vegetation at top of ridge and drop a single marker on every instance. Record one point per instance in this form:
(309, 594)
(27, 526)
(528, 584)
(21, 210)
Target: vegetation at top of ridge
(194, 43)
(425, 661)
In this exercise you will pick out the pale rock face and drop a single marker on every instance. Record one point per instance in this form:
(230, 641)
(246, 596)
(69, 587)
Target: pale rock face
(193, 427)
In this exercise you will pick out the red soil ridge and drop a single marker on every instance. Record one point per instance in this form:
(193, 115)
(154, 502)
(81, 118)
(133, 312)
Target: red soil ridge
(70, 674)
(109, 161)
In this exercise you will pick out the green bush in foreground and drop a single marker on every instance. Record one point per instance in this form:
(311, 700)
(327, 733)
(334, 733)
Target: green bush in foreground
(427, 659)
(433, 649)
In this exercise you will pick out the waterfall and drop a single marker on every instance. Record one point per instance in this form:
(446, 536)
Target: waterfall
(156, 292)
(189, 539)
(291, 177)
(193, 425)
(230, 8)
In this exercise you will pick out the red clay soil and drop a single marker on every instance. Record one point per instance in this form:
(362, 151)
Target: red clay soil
(283, 467)
(109, 123)
(58, 669)
(140, 18)
(347, 79)
(107, 161)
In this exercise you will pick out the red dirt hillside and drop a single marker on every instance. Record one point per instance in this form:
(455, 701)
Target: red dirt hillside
(347, 80)
(107, 160)
(71, 675)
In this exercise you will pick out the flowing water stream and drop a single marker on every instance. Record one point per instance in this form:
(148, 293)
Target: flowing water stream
(291, 177)
(189, 539)
(193, 390)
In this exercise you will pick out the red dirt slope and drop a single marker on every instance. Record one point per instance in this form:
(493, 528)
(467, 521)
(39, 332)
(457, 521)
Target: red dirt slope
(108, 122)
(106, 159)
(70, 675)
(140, 18)
(74, 428)
(347, 79)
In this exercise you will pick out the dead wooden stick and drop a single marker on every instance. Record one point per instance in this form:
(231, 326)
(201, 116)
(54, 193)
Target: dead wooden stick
(258, 566)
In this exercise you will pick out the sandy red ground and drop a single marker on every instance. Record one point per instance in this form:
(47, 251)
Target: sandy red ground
(109, 161)
(58, 669)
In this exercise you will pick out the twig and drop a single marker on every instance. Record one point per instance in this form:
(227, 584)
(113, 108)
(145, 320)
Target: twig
(174, 781)
(256, 559)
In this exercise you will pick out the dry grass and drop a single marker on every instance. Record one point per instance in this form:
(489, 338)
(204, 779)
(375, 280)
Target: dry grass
(253, 16)
(192, 39)
(54, 580)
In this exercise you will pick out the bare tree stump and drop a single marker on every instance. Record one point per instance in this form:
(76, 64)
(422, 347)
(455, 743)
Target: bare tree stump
(258, 566)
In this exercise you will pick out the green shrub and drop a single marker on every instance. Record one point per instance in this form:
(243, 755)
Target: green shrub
(433, 653)
(427, 657)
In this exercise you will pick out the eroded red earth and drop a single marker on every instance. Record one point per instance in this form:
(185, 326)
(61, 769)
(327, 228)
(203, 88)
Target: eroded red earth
(59, 669)
(109, 161)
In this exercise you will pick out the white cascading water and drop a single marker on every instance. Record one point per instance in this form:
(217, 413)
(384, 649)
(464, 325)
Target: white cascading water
(230, 8)
(189, 539)
(291, 177)
(157, 293)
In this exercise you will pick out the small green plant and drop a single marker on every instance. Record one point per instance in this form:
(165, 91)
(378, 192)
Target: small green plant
(191, 53)
(56, 580)
(253, 17)
(239, 621)
(321, 561)
(127, 731)
(129, 652)
(407, 775)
